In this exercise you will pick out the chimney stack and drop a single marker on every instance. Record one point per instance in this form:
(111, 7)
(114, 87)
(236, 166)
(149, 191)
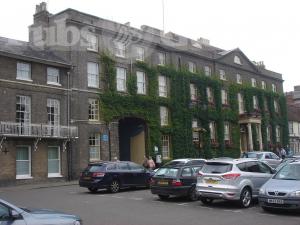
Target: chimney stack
(41, 15)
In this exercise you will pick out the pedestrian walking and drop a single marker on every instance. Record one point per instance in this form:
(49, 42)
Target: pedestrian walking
(151, 163)
(283, 153)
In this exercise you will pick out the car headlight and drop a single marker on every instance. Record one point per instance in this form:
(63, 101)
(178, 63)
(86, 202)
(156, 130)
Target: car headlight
(77, 222)
(262, 191)
(295, 194)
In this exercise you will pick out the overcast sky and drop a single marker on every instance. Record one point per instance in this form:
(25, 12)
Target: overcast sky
(265, 30)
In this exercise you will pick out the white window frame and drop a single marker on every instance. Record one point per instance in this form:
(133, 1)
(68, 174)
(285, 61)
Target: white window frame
(53, 76)
(92, 42)
(24, 71)
(140, 54)
(291, 128)
(239, 79)
(120, 49)
(253, 82)
(192, 67)
(237, 60)
(54, 125)
(164, 116)
(23, 117)
(95, 144)
(141, 82)
(241, 103)
(161, 56)
(59, 163)
(255, 102)
(207, 71)
(210, 95)
(278, 134)
(93, 75)
(193, 92)
(121, 78)
(276, 106)
(165, 146)
(25, 176)
(93, 109)
(274, 88)
(212, 129)
(163, 86)
(263, 85)
(227, 131)
(224, 97)
(222, 75)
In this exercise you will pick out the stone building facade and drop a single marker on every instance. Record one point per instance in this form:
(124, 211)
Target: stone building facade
(79, 39)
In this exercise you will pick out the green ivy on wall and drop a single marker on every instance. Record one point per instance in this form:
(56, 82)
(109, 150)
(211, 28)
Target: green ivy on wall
(114, 106)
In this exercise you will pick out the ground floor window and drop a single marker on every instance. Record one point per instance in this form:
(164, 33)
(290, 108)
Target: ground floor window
(94, 147)
(165, 144)
(23, 162)
(54, 161)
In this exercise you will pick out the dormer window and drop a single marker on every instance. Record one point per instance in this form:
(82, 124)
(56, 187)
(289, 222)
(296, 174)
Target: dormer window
(237, 60)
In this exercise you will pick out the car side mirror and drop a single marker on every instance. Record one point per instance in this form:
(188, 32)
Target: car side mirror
(15, 215)
(274, 171)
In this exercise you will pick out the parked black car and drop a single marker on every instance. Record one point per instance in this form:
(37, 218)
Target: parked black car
(177, 180)
(114, 175)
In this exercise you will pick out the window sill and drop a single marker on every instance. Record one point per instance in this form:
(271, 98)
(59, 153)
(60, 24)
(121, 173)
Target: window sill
(92, 50)
(23, 177)
(54, 175)
(29, 80)
(121, 56)
(91, 87)
(55, 84)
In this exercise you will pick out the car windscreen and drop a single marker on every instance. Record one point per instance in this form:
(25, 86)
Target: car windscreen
(167, 172)
(251, 155)
(288, 172)
(216, 167)
(95, 168)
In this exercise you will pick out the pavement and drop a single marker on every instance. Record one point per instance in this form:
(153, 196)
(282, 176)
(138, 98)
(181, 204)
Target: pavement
(138, 206)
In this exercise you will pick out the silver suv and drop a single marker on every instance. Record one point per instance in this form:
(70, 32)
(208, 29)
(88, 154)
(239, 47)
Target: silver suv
(232, 179)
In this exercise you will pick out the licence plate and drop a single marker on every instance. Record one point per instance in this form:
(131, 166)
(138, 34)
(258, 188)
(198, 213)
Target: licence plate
(86, 178)
(211, 181)
(276, 201)
(162, 182)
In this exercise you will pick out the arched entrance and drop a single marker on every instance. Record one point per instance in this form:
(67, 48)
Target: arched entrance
(132, 139)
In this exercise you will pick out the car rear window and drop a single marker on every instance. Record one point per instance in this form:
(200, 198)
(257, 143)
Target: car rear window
(95, 168)
(167, 172)
(215, 167)
(175, 163)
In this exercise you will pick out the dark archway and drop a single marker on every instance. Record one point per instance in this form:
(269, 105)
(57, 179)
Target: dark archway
(132, 139)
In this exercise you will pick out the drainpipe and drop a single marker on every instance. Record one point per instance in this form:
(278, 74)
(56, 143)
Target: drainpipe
(69, 149)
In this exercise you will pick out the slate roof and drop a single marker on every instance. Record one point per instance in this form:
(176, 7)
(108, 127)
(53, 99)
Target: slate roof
(26, 50)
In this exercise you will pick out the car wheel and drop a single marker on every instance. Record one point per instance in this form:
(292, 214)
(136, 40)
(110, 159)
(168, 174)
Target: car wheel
(193, 194)
(206, 201)
(93, 190)
(114, 186)
(246, 198)
(163, 197)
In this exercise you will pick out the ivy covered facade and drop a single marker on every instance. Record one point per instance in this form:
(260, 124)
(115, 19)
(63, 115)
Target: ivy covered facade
(198, 141)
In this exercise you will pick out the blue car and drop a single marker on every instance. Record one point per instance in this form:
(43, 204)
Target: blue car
(10, 214)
